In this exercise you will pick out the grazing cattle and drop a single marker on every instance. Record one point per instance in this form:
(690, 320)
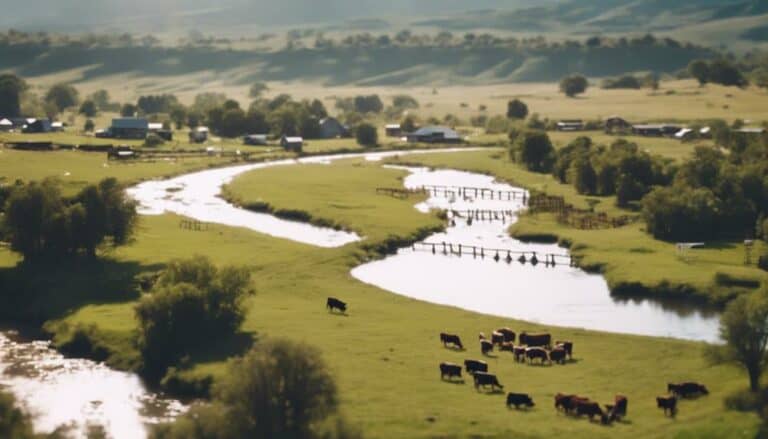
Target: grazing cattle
(451, 339)
(686, 390)
(473, 366)
(568, 346)
(518, 399)
(507, 346)
(487, 379)
(618, 409)
(450, 370)
(668, 403)
(519, 352)
(536, 353)
(509, 335)
(497, 338)
(481, 336)
(333, 303)
(544, 340)
(486, 347)
(591, 409)
(557, 355)
(563, 401)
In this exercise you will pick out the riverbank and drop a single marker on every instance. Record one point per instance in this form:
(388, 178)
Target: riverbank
(387, 346)
(634, 264)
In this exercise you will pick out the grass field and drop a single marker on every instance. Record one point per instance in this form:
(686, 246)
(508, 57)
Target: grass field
(627, 255)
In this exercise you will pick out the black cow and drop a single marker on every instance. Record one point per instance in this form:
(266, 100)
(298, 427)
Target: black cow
(536, 353)
(557, 355)
(333, 303)
(563, 401)
(486, 347)
(544, 340)
(452, 339)
(449, 369)
(591, 409)
(686, 390)
(518, 399)
(668, 403)
(509, 335)
(497, 338)
(487, 379)
(473, 366)
(567, 345)
(618, 409)
(519, 352)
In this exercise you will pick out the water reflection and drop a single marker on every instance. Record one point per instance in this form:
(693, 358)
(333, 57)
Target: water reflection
(563, 296)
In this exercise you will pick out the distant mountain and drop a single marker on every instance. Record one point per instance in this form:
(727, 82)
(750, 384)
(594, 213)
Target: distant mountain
(158, 16)
(578, 16)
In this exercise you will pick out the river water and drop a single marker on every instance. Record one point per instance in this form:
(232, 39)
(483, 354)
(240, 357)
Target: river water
(79, 393)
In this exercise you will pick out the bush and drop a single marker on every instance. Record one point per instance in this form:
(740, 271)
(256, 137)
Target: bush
(367, 135)
(497, 125)
(516, 109)
(153, 141)
(89, 126)
(534, 150)
(573, 85)
(622, 82)
(192, 302)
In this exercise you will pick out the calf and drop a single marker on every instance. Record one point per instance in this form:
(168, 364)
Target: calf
(474, 366)
(686, 390)
(519, 352)
(544, 340)
(450, 370)
(668, 403)
(518, 399)
(497, 338)
(591, 409)
(486, 347)
(557, 355)
(333, 303)
(619, 408)
(451, 339)
(509, 335)
(568, 346)
(487, 379)
(536, 353)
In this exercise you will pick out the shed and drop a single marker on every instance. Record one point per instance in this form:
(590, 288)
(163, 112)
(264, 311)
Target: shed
(198, 135)
(129, 128)
(38, 126)
(331, 128)
(570, 125)
(6, 125)
(434, 134)
(295, 144)
(255, 139)
(658, 130)
(154, 126)
(57, 126)
(393, 130)
(616, 123)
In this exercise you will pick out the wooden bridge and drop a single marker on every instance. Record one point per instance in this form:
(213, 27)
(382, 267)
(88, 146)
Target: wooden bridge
(497, 254)
(470, 192)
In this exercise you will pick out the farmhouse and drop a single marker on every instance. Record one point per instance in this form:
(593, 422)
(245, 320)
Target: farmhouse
(570, 125)
(434, 134)
(751, 131)
(255, 139)
(331, 128)
(294, 144)
(393, 130)
(128, 128)
(657, 130)
(38, 126)
(198, 135)
(6, 125)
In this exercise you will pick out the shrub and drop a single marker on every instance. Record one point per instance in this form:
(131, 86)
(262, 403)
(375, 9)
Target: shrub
(534, 150)
(516, 109)
(573, 85)
(153, 141)
(622, 82)
(367, 135)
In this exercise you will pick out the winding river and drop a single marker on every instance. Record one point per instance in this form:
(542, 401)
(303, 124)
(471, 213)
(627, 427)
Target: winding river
(76, 392)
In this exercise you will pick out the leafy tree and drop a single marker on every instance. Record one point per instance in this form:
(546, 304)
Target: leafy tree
(623, 82)
(178, 116)
(408, 125)
(573, 85)
(152, 104)
(101, 99)
(153, 141)
(367, 135)
(582, 175)
(128, 110)
(405, 102)
(699, 69)
(744, 329)
(534, 150)
(62, 96)
(257, 89)
(680, 213)
(205, 102)
(29, 213)
(723, 72)
(11, 89)
(110, 213)
(516, 109)
(89, 126)
(368, 104)
(88, 108)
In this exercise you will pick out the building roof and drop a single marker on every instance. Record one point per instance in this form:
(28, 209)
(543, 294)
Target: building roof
(6, 123)
(155, 125)
(682, 133)
(751, 130)
(392, 126)
(57, 124)
(433, 130)
(293, 139)
(201, 129)
(130, 123)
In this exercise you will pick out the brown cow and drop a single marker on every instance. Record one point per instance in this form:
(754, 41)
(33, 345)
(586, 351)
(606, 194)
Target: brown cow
(568, 346)
(541, 340)
(486, 347)
(563, 401)
(668, 403)
(451, 339)
(509, 335)
(519, 352)
(557, 355)
(536, 353)
(449, 369)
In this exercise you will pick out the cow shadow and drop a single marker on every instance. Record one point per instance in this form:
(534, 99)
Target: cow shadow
(489, 355)
(338, 313)
(523, 409)
(491, 392)
(455, 382)
(454, 348)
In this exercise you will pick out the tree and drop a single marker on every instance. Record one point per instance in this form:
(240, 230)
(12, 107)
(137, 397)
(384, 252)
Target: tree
(89, 126)
(405, 102)
(516, 109)
(367, 135)
(534, 150)
(88, 108)
(101, 99)
(573, 85)
(110, 213)
(128, 110)
(29, 213)
(11, 89)
(178, 116)
(699, 69)
(723, 72)
(62, 96)
(257, 89)
(408, 125)
(582, 175)
(744, 329)
(368, 104)
(153, 141)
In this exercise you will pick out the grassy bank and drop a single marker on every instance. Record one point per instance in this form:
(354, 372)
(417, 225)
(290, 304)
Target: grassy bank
(385, 352)
(632, 261)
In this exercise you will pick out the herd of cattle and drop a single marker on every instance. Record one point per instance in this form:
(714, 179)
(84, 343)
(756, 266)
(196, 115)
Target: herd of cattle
(532, 347)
